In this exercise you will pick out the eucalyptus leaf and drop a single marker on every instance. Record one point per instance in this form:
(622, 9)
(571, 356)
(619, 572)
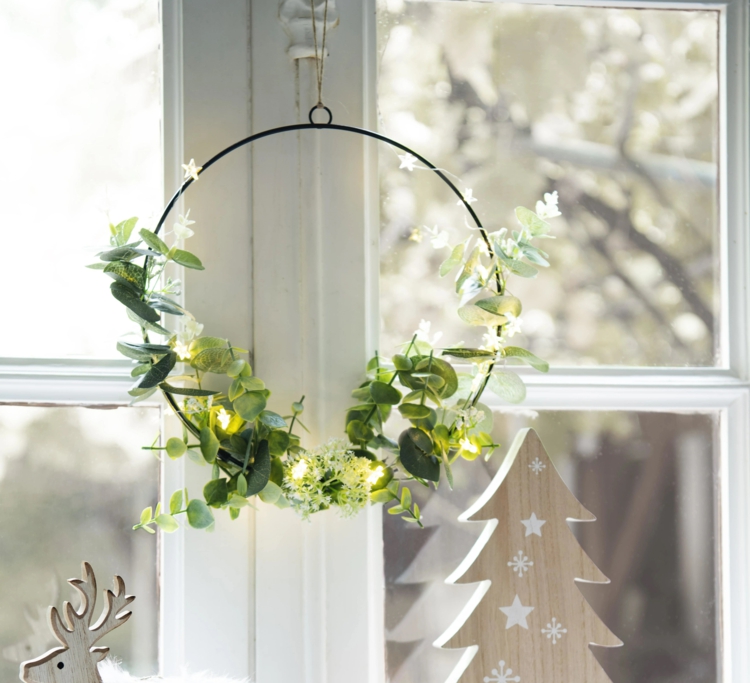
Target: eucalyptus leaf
(527, 357)
(453, 260)
(185, 258)
(252, 383)
(213, 360)
(199, 514)
(166, 523)
(176, 448)
(216, 492)
(271, 493)
(415, 452)
(530, 220)
(401, 362)
(464, 353)
(384, 393)
(124, 254)
(259, 471)
(414, 411)
(153, 241)
(127, 273)
(165, 304)
(273, 420)
(468, 270)
(250, 405)
(175, 502)
(158, 372)
(500, 305)
(507, 385)
(130, 298)
(202, 343)
(151, 327)
(474, 315)
(187, 391)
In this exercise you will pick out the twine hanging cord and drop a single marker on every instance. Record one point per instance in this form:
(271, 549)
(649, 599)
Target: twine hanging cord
(320, 59)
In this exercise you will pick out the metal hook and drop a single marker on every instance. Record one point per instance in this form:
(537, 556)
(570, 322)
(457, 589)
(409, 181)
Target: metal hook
(328, 111)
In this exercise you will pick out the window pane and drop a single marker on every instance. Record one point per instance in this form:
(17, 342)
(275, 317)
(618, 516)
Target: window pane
(72, 484)
(617, 111)
(649, 479)
(81, 145)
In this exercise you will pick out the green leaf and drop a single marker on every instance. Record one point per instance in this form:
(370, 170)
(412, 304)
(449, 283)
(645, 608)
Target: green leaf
(358, 431)
(468, 270)
(413, 411)
(381, 441)
(382, 496)
(149, 349)
(527, 357)
(236, 367)
(441, 368)
(250, 405)
(395, 510)
(235, 390)
(123, 230)
(147, 515)
(403, 363)
(209, 444)
(237, 502)
(469, 354)
(507, 385)
(167, 523)
(158, 372)
(212, 360)
(185, 258)
(139, 370)
(208, 343)
(530, 220)
(196, 457)
(127, 296)
(271, 493)
(153, 241)
(474, 315)
(126, 273)
(259, 471)
(199, 514)
(123, 254)
(384, 393)
(175, 502)
(447, 468)
(514, 265)
(273, 420)
(141, 396)
(415, 451)
(453, 260)
(405, 498)
(176, 448)
(151, 327)
(500, 305)
(186, 391)
(252, 383)
(278, 442)
(234, 513)
(165, 304)
(216, 492)
(97, 266)
(241, 485)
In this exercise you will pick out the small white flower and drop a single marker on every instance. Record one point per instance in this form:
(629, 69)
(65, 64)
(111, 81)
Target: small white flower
(439, 239)
(182, 350)
(224, 418)
(193, 328)
(492, 341)
(548, 208)
(182, 228)
(415, 235)
(513, 326)
(468, 446)
(298, 471)
(376, 474)
(191, 170)
(408, 161)
(469, 197)
(423, 333)
(511, 248)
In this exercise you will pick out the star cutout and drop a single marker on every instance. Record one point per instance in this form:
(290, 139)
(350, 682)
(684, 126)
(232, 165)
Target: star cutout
(516, 614)
(533, 525)
(191, 170)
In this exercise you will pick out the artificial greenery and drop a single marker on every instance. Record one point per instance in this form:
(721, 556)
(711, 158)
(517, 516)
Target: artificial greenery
(255, 452)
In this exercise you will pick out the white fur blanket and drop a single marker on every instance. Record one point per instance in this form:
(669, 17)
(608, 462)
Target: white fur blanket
(111, 672)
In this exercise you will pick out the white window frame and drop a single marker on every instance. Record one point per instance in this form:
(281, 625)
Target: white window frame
(268, 596)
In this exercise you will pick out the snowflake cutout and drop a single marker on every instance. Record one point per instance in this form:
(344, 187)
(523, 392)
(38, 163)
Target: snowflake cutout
(502, 676)
(520, 564)
(537, 466)
(554, 631)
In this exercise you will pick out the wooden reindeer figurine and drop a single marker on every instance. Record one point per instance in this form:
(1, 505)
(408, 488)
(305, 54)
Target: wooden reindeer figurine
(76, 661)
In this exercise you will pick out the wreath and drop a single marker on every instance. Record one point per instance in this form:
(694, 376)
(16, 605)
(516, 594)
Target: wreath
(256, 452)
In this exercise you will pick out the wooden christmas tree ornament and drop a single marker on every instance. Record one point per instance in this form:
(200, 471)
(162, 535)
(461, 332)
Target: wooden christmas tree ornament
(527, 622)
(76, 661)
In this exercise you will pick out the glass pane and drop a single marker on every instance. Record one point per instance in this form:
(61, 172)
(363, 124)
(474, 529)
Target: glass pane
(72, 483)
(616, 110)
(649, 479)
(82, 115)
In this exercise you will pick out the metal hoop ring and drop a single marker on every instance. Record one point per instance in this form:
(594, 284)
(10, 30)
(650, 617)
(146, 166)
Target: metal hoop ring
(324, 108)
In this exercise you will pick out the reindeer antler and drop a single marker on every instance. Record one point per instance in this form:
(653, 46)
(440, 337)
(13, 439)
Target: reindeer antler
(113, 615)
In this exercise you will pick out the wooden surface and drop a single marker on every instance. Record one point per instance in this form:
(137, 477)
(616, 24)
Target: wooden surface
(76, 660)
(527, 621)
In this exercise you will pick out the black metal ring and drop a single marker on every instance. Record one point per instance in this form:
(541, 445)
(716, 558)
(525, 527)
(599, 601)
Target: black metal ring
(326, 109)
(224, 455)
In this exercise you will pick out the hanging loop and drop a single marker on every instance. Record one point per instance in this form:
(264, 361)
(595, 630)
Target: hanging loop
(326, 110)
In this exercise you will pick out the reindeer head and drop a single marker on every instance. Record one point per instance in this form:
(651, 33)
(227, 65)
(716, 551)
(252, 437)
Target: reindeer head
(76, 661)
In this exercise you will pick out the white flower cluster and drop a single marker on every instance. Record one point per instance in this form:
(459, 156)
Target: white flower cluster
(469, 418)
(315, 479)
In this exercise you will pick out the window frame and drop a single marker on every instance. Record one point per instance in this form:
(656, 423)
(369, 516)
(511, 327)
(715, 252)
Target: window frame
(327, 620)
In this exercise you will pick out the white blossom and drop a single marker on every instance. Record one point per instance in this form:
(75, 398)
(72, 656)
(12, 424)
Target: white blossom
(224, 418)
(415, 235)
(439, 239)
(408, 161)
(469, 197)
(468, 446)
(182, 228)
(513, 326)
(182, 349)
(492, 341)
(423, 333)
(548, 208)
